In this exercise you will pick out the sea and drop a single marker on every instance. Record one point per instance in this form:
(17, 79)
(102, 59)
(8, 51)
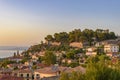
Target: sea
(6, 51)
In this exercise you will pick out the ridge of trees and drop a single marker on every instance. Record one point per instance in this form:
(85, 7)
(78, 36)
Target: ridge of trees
(77, 35)
(87, 35)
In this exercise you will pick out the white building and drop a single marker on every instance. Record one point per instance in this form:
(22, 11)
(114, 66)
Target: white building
(26, 74)
(113, 48)
(91, 51)
(46, 73)
(78, 44)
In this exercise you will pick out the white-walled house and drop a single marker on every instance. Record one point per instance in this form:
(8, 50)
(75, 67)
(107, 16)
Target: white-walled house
(78, 44)
(91, 51)
(114, 48)
(46, 72)
(26, 74)
(111, 49)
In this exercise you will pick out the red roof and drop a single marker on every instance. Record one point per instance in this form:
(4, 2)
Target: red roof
(42, 65)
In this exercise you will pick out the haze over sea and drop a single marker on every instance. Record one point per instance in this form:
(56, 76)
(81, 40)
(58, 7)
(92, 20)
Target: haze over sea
(7, 51)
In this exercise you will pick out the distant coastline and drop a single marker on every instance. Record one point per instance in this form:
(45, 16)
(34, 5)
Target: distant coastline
(7, 51)
(13, 48)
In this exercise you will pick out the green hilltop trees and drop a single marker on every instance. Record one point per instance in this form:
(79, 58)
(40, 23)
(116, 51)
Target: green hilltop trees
(61, 37)
(77, 35)
(86, 35)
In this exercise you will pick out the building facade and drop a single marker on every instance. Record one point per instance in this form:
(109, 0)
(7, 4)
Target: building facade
(114, 48)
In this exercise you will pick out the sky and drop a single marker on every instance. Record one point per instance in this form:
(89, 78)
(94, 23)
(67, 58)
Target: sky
(27, 22)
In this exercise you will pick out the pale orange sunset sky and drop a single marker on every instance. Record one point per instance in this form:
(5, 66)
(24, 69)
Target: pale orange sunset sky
(27, 22)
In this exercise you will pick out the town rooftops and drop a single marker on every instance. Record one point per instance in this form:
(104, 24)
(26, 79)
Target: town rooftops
(48, 70)
(111, 45)
(5, 70)
(41, 65)
(69, 70)
(25, 71)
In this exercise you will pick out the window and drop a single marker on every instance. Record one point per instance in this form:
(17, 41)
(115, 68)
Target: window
(27, 75)
(21, 75)
(37, 74)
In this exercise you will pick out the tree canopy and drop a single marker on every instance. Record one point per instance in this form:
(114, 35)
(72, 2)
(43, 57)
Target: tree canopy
(77, 35)
(49, 58)
(94, 71)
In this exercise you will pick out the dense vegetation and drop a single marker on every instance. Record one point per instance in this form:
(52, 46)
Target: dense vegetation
(5, 62)
(98, 69)
(87, 35)
(49, 58)
(77, 35)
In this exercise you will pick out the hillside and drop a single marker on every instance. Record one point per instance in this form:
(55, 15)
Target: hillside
(60, 41)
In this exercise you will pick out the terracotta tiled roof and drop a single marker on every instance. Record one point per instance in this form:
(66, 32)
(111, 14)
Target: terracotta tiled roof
(25, 67)
(13, 65)
(67, 69)
(25, 71)
(5, 70)
(42, 65)
(47, 70)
